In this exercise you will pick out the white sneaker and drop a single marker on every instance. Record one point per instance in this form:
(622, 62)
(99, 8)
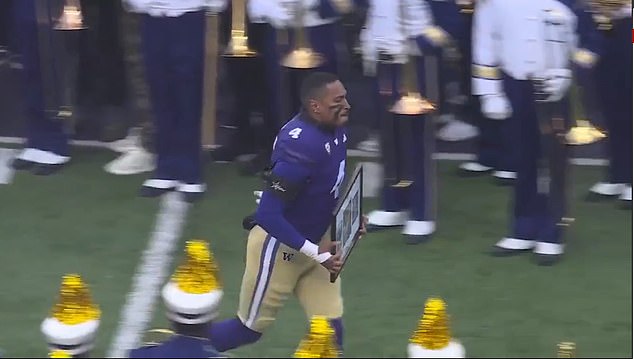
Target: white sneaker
(474, 167)
(419, 228)
(626, 195)
(387, 219)
(608, 189)
(456, 130)
(505, 175)
(132, 162)
(370, 145)
(130, 142)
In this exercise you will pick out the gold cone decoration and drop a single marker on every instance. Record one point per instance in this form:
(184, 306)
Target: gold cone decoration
(199, 272)
(59, 354)
(566, 350)
(75, 305)
(584, 133)
(433, 328)
(320, 341)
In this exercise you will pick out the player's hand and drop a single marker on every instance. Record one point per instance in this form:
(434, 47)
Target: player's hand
(334, 263)
(363, 230)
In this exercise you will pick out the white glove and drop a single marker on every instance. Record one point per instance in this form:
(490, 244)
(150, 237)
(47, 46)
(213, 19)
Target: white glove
(258, 196)
(269, 11)
(556, 83)
(372, 45)
(368, 52)
(135, 5)
(282, 13)
(216, 6)
(496, 107)
(310, 4)
(399, 49)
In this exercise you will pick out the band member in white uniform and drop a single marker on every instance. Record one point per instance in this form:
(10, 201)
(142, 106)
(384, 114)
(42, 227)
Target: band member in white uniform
(515, 44)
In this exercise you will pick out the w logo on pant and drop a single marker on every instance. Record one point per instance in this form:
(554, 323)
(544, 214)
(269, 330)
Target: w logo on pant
(287, 256)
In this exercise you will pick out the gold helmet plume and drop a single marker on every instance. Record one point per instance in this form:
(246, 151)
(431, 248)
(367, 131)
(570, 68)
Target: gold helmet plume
(74, 319)
(432, 337)
(320, 341)
(194, 290)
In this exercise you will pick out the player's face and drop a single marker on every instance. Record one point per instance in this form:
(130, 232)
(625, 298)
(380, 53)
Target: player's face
(333, 106)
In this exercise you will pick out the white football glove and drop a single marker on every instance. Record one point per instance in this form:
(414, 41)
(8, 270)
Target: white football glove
(496, 107)
(368, 52)
(285, 12)
(371, 46)
(216, 6)
(258, 196)
(556, 83)
(270, 11)
(135, 5)
(257, 10)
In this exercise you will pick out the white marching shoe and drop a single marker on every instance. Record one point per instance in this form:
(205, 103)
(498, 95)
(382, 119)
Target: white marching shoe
(134, 161)
(453, 350)
(456, 130)
(378, 220)
(626, 195)
(473, 168)
(417, 232)
(371, 144)
(545, 253)
(505, 178)
(130, 142)
(606, 189)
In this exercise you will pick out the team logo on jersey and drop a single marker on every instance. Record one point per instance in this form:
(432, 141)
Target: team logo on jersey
(277, 186)
(327, 147)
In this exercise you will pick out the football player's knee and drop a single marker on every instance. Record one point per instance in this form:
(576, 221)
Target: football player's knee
(230, 334)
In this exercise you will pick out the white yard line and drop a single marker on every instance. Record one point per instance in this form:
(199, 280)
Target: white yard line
(6, 171)
(151, 274)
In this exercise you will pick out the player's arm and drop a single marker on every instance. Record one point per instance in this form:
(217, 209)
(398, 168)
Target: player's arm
(285, 181)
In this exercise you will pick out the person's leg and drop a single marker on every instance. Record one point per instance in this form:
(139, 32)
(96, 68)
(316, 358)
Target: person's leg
(270, 275)
(186, 69)
(319, 297)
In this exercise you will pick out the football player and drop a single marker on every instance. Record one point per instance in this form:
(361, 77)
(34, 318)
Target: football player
(288, 251)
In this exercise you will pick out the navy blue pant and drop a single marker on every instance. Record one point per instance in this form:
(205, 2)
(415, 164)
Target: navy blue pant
(260, 93)
(533, 216)
(413, 148)
(42, 130)
(495, 147)
(613, 74)
(173, 49)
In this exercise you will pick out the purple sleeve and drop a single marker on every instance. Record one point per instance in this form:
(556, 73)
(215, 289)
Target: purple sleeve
(270, 212)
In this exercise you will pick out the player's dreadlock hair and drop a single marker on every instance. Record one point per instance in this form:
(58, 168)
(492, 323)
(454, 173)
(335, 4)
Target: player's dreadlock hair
(313, 85)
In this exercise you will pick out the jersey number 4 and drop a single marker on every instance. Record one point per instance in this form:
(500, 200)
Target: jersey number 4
(294, 133)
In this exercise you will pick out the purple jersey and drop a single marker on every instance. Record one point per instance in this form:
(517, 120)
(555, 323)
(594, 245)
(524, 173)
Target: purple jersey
(310, 162)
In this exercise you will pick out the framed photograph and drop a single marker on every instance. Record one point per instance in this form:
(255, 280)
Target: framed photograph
(347, 219)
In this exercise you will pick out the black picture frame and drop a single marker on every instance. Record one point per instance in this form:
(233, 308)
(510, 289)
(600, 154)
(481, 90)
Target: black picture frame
(357, 176)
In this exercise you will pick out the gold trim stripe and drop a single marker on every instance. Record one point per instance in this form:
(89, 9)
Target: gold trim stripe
(437, 35)
(486, 72)
(342, 6)
(584, 57)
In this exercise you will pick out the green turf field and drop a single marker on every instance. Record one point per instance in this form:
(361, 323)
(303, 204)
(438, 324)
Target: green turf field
(89, 222)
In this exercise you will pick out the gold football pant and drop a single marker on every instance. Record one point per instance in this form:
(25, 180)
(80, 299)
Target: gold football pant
(274, 271)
